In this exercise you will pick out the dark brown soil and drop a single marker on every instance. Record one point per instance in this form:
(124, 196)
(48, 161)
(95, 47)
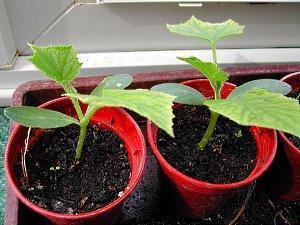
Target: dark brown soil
(56, 184)
(229, 156)
(293, 138)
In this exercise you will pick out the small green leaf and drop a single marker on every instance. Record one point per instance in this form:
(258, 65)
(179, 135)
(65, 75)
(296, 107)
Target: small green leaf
(153, 105)
(211, 71)
(209, 32)
(119, 81)
(270, 85)
(59, 63)
(183, 93)
(37, 117)
(261, 108)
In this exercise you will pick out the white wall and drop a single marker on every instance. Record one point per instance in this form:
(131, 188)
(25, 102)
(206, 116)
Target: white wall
(7, 42)
(141, 26)
(132, 37)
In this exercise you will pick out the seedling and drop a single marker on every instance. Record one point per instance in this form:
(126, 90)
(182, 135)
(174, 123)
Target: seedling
(256, 103)
(60, 63)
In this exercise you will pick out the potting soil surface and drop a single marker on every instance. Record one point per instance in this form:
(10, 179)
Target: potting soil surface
(4, 126)
(256, 210)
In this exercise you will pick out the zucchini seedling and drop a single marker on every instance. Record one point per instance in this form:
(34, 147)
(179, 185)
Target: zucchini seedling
(60, 63)
(256, 103)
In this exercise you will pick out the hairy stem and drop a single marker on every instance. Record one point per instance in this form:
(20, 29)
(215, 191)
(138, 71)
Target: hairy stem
(209, 131)
(83, 128)
(69, 89)
(81, 138)
(213, 115)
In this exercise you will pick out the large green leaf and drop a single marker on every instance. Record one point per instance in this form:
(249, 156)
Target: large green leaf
(261, 108)
(183, 93)
(211, 71)
(59, 63)
(209, 32)
(37, 117)
(119, 81)
(270, 85)
(156, 106)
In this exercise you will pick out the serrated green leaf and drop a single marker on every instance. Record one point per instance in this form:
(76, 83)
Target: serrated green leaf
(59, 63)
(153, 105)
(209, 32)
(183, 93)
(37, 117)
(210, 70)
(119, 81)
(261, 108)
(271, 85)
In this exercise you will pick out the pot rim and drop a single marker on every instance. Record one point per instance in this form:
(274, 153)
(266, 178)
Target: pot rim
(291, 145)
(199, 183)
(85, 215)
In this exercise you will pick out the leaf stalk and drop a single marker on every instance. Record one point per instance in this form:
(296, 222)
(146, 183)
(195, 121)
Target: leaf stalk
(70, 89)
(214, 51)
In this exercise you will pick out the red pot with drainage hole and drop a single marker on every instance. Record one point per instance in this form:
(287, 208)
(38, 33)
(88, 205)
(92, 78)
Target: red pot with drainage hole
(123, 125)
(195, 198)
(292, 152)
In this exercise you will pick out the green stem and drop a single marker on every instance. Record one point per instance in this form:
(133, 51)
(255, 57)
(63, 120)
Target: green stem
(210, 129)
(213, 115)
(81, 138)
(83, 128)
(69, 89)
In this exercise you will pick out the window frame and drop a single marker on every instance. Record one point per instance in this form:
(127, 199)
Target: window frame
(117, 62)
(8, 50)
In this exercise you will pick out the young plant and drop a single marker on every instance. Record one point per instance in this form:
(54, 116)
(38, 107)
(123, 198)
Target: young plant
(60, 63)
(256, 103)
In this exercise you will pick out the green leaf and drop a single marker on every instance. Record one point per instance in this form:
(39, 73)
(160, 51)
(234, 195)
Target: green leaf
(37, 117)
(59, 63)
(261, 108)
(119, 81)
(270, 85)
(211, 71)
(209, 32)
(183, 93)
(155, 106)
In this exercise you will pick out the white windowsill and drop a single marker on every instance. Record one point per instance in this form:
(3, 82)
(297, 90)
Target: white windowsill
(131, 62)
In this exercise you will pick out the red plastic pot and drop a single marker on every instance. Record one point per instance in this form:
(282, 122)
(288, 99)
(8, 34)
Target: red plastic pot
(195, 198)
(291, 151)
(114, 119)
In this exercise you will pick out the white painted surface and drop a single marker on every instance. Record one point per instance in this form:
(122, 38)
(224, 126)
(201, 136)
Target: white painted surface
(7, 43)
(127, 38)
(132, 62)
(5, 97)
(29, 17)
(141, 26)
(235, 1)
